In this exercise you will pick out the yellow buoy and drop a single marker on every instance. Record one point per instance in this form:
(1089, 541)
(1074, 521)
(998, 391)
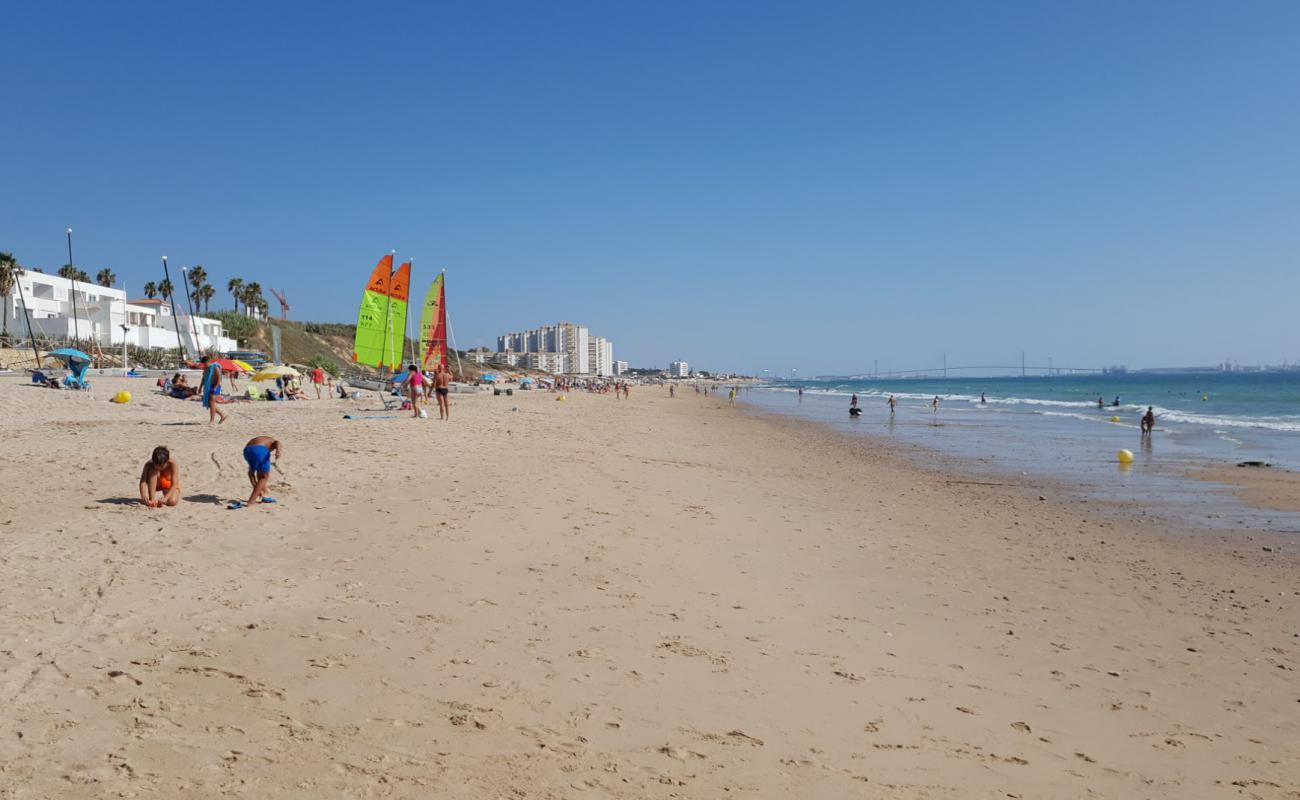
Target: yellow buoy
(1125, 456)
(122, 397)
(1114, 419)
(1205, 397)
(559, 399)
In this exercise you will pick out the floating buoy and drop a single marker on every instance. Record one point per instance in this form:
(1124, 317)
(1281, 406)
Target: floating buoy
(122, 397)
(559, 399)
(1125, 456)
(1114, 419)
(1204, 397)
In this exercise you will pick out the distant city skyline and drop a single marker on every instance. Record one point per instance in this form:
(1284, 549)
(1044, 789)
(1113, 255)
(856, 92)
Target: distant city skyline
(761, 186)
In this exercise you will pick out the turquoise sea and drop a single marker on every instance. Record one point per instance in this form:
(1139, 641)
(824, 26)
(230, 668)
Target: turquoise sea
(1052, 426)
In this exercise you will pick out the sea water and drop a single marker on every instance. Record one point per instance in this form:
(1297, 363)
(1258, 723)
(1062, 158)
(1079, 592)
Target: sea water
(1052, 426)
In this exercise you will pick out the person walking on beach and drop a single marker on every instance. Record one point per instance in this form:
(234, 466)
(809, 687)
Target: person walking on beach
(414, 389)
(731, 396)
(442, 387)
(162, 476)
(672, 390)
(1148, 421)
(212, 389)
(983, 398)
(257, 454)
(893, 403)
(934, 404)
(318, 380)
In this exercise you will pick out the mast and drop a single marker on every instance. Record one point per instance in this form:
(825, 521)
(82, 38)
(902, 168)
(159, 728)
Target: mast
(76, 325)
(388, 318)
(176, 323)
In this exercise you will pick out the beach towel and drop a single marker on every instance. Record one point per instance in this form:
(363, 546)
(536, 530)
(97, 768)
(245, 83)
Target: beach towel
(208, 388)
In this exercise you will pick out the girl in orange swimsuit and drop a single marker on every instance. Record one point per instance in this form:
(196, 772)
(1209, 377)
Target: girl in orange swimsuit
(162, 476)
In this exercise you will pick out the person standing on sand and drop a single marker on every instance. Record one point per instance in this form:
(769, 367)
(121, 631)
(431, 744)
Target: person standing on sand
(672, 391)
(442, 386)
(934, 404)
(318, 380)
(257, 453)
(893, 403)
(414, 388)
(211, 388)
(1148, 421)
(160, 475)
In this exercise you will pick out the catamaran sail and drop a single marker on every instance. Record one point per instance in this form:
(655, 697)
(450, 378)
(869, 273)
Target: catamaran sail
(371, 345)
(433, 326)
(399, 292)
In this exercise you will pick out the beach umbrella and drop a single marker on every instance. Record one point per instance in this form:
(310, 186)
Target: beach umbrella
(273, 372)
(230, 365)
(488, 377)
(70, 353)
(247, 367)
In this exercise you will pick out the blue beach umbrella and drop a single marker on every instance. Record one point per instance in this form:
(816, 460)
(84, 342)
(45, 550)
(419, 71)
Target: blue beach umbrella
(489, 377)
(70, 354)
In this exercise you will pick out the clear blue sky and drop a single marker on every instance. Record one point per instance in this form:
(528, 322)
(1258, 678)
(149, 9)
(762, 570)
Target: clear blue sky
(742, 184)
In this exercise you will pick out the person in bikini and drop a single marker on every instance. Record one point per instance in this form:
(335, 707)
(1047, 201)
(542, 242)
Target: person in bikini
(442, 386)
(162, 476)
(414, 388)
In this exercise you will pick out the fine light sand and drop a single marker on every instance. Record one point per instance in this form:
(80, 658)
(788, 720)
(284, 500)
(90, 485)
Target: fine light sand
(596, 598)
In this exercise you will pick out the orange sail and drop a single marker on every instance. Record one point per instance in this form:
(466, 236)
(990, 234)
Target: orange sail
(399, 291)
(433, 326)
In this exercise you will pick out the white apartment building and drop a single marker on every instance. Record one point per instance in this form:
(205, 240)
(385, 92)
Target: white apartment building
(572, 341)
(620, 367)
(582, 355)
(554, 363)
(105, 316)
(600, 356)
(679, 369)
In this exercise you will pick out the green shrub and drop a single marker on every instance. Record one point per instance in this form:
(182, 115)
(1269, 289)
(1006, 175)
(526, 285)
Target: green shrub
(328, 364)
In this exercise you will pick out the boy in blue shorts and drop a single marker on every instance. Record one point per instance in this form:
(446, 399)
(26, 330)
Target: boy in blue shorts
(258, 454)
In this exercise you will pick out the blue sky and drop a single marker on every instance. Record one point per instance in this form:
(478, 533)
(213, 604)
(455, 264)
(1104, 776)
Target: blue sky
(746, 185)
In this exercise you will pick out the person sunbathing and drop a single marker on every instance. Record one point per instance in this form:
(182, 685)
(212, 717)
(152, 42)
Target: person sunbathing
(160, 476)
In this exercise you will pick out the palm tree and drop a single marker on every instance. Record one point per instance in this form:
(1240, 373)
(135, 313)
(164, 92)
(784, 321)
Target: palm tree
(165, 289)
(68, 271)
(236, 287)
(205, 294)
(9, 272)
(198, 276)
(106, 278)
(83, 276)
(253, 296)
(151, 290)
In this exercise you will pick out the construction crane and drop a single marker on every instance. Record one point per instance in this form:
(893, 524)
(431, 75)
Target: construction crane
(284, 304)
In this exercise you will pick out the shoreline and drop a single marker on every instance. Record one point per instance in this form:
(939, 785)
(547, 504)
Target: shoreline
(1177, 491)
(643, 598)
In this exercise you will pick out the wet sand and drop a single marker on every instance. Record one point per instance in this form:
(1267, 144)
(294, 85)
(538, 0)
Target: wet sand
(598, 598)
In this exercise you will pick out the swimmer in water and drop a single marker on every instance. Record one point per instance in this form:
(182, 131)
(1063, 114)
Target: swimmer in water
(162, 476)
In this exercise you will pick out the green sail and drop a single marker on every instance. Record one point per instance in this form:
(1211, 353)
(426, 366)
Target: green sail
(371, 347)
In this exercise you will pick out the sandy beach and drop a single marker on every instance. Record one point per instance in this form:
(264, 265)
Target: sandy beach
(650, 598)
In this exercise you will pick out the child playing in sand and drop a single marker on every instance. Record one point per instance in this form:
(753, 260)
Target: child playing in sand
(162, 476)
(258, 455)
